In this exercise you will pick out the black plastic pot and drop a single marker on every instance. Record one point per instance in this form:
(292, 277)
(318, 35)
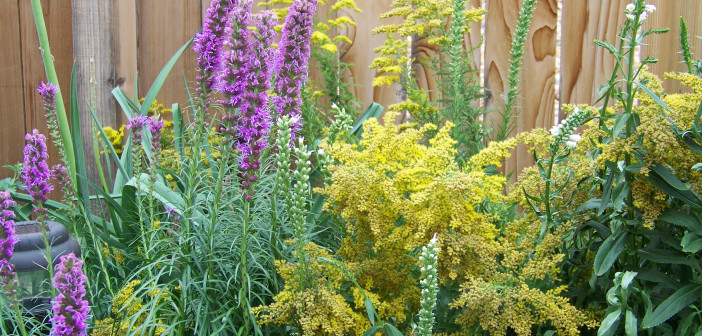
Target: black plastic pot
(31, 264)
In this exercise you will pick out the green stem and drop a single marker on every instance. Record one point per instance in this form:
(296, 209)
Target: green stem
(61, 117)
(20, 321)
(243, 262)
(47, 246)
(629, 108)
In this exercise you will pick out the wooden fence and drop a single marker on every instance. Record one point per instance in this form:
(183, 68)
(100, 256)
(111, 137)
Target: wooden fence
(145, 34)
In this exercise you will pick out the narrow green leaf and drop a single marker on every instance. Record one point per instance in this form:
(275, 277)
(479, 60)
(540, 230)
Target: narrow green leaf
(670, 178)
(610, 323)
(619, 124)
(686, 196)
(78, 165)
(178, 129)
(608, 253)
(682, 298)
(372, 330)
(391, 330)
(630, 324)
(373, 111)
(665, 256)
(369, 310)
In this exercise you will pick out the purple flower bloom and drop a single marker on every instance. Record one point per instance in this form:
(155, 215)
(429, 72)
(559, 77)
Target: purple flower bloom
(69, 307)
(155, 127)
(231, 79)
(208, 44)
(291, 60)
(48, 93)
(35, 172)
(7, 244)
(245, 79)
(136, 125)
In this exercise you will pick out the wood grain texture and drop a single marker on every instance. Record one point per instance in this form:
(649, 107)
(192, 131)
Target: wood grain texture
(360, 53)
(164, 26)
(125, 51)
(11, 88)
(665, 47)
(585, 66)
(535, 104)
(57, 15)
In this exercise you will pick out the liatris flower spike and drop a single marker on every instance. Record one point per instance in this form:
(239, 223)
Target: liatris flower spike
(7, 244)
(35, 172)
(208, 44)
(69, 307)
(292, 58)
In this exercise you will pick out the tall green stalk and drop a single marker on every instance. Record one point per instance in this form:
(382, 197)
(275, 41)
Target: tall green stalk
(52, 78)
(515, 67)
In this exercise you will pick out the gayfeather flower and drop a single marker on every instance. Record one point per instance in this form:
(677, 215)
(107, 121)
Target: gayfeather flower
(232, 72)
(254, 117)
(7, 244)
(69, 307)
(35, 172)
(292, 58)
(208, 44)
(155, 127)
(136, 125)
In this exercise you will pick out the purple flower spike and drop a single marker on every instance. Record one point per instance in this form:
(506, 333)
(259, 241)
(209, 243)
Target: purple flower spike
(208, 44)
(69, 307)
(232, 74)
(48, 93)
(291, 61)
(155, 127)
(7, 244)
(35, 172)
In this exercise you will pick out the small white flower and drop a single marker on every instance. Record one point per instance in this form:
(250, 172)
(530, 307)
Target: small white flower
(556, 130)
(575, 137)
(630, 7)
(334, 106)
(631, 17)
(643, 16)
(320, 151)
(571, 144)
(650, 8)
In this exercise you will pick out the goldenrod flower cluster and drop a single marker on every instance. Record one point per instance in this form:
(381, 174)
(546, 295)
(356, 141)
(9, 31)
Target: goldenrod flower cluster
(320, 36)
(129, 313)
(521, 289)
(423, 18)
(395, 189)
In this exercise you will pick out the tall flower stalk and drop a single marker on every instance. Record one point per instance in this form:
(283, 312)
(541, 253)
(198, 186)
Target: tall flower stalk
(36, 175)
(430, 287)
(292, 59)
(69, 308)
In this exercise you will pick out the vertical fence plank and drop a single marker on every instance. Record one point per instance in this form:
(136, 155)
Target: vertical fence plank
(360, 54)
(164, 26)
(537, 92)
(665, 47)
(11, 95)
(585, 66)
(125, 48)
(57, 15)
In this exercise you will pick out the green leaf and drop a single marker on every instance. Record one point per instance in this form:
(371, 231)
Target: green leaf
(608, 253)
(691, 242)
(662, 184)
(372, 330)
(670, 178)
(79, 164)
(682, 298)
(619, 124)
(369, 310)
(682, 219)
(178, 129)
(665, 256)
(610, 323)
(630, 324)
(391, 330)
(373, 111)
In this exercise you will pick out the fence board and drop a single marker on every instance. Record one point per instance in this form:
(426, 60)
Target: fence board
(665, 47)
(57, 15)
(537, 85)
(360, 53)
(585, 66)
(164, 26)
(11, 89)
(125, 48)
